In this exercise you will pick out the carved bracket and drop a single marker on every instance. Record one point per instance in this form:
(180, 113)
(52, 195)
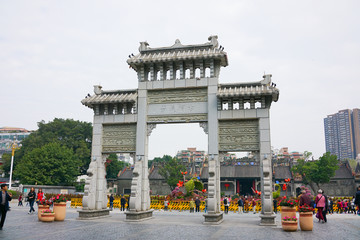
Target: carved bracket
(150, 127)
(204, 126)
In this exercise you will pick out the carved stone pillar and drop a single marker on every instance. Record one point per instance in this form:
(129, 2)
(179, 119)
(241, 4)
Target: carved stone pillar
(140, 189)
(267, 216)
(202, 70)
(172, 71)
(182, 71)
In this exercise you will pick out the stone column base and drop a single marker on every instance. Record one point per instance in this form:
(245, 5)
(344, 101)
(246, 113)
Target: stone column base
(93, 214)
(213, 218)
(267, 220)
(132, 216)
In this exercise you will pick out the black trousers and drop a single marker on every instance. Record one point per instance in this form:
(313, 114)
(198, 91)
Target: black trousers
(197, 209)
(3, 215)
(122, 207)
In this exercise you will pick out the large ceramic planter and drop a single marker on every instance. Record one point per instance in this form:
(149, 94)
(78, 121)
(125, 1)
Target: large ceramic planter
(60, 211)
(47, 217)
(306, 221)
(40, 209)
(287, 212)
(289, 226)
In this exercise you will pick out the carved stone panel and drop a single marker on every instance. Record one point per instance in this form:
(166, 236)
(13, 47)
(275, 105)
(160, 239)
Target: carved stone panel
(239, 135)
(177, 95)
(178, 118)
(119, 138)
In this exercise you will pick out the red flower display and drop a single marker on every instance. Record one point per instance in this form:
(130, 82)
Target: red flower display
(284, 186)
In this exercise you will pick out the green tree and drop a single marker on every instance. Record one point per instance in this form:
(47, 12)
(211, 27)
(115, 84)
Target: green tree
(74, 135)
(171, 171)
(159, 160)
(51, 164)
(6, 159)
(316, 172)
(115, 166)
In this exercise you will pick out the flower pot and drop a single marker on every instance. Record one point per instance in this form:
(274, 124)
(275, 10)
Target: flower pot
(287, 212)
(47, 217)
(306, 221)
(289, 226)
(41, 208)
(60, 211)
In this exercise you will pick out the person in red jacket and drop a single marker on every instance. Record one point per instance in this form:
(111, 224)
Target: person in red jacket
(40, 195)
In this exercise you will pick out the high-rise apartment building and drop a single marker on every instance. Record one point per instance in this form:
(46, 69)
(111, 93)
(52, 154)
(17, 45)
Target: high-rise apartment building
(342, 133)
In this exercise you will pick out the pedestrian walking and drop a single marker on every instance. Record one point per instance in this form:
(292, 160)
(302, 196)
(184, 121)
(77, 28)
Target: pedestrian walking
(275, 203)
(197, 204)
(240, 205)
(39, 196)
(31, 197)
(206, 205)
(192, 205)
(20, 199)
(254, 205)
(331, 206)
(166, 204)
(5, 197)
(122, 203)
(326, 206)
(320, 204)
(111, 201)
(357, 200)
(128, 202)
(226, 205)
(304, 199)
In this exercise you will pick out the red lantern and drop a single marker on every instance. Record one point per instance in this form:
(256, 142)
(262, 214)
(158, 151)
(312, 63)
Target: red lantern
(227, 185)
(204, 190)
(284, 186)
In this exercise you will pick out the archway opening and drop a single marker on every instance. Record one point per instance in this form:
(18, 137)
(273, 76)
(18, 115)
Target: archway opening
(186, 141)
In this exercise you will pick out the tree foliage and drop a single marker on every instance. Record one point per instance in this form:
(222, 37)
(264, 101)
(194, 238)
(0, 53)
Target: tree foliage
(74, 135)
(115, 166)
(317, 172)
(159, 160)
(51, 164)
(171, 171)
(6, 159)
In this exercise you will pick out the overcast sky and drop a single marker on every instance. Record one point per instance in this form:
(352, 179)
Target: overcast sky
(53, 52)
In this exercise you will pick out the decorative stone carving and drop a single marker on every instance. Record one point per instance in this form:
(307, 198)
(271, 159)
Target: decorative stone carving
(204, 126)
(178, 118)
(90, 187)
(150, 127)
(240, 135)
(119, 138)
(177, 95)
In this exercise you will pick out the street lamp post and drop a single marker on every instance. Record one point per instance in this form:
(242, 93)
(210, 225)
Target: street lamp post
(14, 146)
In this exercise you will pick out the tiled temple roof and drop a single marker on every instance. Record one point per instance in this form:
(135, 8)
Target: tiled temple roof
(247, 90)
(111, 97)
(179, 55)
(179, 52)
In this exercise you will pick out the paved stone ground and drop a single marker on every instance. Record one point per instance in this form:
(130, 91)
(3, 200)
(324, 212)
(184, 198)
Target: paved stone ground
(169, 225)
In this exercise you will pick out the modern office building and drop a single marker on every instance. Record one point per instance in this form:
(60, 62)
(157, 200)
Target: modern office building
(342, 134)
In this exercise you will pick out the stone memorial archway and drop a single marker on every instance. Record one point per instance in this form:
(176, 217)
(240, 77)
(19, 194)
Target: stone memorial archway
(173, 87)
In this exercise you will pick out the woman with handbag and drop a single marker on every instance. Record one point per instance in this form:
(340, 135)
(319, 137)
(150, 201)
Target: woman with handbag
(320, 204)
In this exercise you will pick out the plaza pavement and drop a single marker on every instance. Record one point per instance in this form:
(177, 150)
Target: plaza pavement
(169, 225)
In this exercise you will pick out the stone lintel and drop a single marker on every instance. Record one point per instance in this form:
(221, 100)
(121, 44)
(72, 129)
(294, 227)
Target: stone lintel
(267, 220)
(93, 214)
(213, 218)
(132, 216)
